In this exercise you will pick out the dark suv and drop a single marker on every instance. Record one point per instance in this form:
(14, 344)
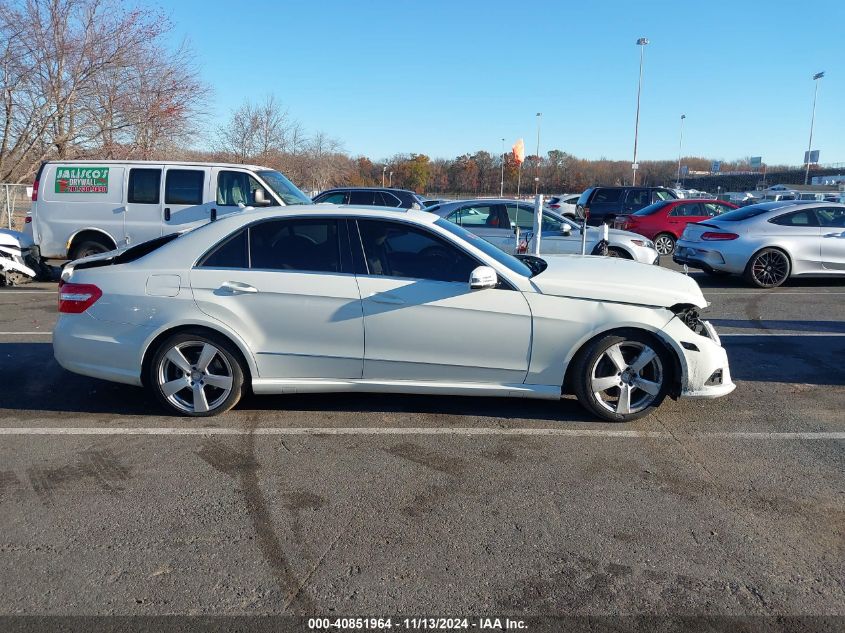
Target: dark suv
(602, 204)
(372, 196)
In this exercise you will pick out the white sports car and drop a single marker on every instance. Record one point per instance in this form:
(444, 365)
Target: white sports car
(323, 298)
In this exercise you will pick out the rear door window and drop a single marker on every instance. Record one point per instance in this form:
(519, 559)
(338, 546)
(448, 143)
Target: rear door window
(606, 196)
(144, 186)
(184, 186)
(296, 244)
(638, 198)
(231, 253)
(363, 197)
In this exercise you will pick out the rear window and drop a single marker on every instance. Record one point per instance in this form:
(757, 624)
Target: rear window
(652, 208)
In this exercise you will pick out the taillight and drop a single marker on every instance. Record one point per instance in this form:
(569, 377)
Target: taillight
(715, 236)
(554, 206)
(35, 191)
(77, 298)
(28, 220)
(586, 212)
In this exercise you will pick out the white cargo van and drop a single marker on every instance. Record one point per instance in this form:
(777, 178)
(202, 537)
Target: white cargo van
(81, 208)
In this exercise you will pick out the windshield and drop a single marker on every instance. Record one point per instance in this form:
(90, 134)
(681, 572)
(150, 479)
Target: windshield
(508, 261)
(652, 208)
(284, 188)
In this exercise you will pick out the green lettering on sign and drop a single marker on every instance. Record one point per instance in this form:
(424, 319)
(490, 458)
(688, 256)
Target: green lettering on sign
(82, 180)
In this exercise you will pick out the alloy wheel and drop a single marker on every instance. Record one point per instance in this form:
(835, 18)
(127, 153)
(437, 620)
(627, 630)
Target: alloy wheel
(770, 268)
(664, 244)
(627, 377)
(195, 376)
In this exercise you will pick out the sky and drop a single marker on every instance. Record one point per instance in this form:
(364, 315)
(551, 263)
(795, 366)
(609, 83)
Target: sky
(444, 78)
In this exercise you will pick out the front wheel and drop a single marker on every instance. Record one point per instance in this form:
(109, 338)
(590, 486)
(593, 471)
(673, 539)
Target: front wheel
(622, 377)
(768, 268)
(196, 374)
(664, 244)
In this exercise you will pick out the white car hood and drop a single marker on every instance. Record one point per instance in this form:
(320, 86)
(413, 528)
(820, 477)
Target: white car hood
(619, 280)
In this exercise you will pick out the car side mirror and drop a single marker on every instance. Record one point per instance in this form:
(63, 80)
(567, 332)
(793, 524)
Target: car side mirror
(483, 277)
(565, 229)
(260, 200)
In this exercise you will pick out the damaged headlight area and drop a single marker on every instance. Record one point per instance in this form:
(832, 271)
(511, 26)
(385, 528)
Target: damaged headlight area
(692, 319)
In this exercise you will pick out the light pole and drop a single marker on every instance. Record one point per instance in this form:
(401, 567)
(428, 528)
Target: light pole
(642, 43)
(383, 169)
(816, 78)
(391, 179)
(502, 183)
(680, 146)
(537, 177)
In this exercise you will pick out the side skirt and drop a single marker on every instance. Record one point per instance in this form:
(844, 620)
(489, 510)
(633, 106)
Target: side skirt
(327, 385)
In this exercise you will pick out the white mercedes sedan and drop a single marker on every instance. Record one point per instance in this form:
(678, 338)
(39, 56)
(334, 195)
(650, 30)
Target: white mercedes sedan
(332, 299)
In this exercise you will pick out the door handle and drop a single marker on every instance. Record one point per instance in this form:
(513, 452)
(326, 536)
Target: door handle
(236, 287)
(387, 298)
(167, 214)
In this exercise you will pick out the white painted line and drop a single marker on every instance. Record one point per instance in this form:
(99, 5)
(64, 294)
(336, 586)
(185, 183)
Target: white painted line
(607, 433)
(767, 294)
(726, 334)
(28, 292)
(26, 334)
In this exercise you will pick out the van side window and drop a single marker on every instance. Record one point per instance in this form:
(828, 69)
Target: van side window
(144, 186)
(237, 187)
(183, 186)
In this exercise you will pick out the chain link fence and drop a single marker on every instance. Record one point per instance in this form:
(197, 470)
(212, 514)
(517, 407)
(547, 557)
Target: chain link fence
(15, 202)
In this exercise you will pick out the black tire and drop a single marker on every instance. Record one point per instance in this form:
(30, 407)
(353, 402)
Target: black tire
(223, 364)
(768, 268)
(594, 364)
(614, 251)
(88, 248)
(664, 243)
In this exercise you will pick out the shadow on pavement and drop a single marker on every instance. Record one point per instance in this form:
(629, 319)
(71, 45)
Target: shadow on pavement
(33, 381)
(760, 326)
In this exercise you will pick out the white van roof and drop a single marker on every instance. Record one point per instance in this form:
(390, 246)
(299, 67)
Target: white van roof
(97, 161)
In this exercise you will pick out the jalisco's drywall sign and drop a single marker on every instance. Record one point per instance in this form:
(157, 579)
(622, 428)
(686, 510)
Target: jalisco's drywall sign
(82, 180)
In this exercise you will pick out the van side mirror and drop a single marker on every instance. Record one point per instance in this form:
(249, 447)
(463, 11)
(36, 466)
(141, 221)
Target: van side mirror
(483, 277)
(260, 200)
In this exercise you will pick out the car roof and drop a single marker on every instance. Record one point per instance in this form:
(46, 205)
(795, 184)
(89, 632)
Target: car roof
(367, 189)
(327, 209)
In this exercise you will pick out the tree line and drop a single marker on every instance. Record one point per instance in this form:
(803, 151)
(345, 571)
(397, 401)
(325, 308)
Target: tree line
(96, 79)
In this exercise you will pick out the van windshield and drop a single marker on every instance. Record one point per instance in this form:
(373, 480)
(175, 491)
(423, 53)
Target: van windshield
(284, 188)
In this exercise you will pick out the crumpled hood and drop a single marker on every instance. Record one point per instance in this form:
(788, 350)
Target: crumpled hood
(614, 279)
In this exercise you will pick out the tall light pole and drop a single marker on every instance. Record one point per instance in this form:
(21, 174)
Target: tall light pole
(642, 43)
(680, 146)
(383, 169)
(537, 176)
(502, 183)
(391, 179)
(816, 78)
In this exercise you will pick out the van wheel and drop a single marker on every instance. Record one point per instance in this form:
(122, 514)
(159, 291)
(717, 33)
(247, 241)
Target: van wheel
(88, 248)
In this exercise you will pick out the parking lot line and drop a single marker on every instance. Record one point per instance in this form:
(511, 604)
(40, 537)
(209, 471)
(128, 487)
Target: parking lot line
(26, 334)
(606, 433)
(727, 334)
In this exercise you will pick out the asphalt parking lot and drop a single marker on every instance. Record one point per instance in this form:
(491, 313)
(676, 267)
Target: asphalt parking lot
(380, 505)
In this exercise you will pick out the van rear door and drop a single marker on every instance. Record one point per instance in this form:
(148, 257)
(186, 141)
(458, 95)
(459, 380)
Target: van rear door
(187, 197)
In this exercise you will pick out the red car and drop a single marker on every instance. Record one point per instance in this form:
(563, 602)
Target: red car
(664, 221)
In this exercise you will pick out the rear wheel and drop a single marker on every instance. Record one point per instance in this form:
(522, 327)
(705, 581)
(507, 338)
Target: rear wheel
(768, 268)
(622, 377)
(664, 243)
(196, 374)
(88, 248)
